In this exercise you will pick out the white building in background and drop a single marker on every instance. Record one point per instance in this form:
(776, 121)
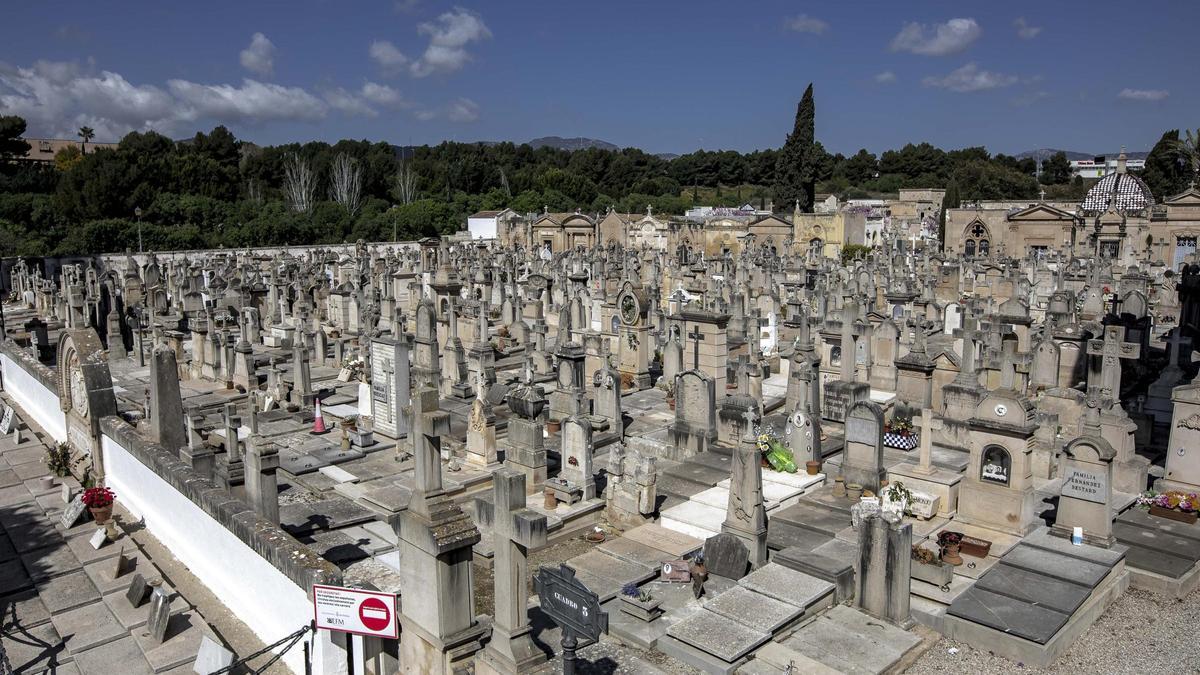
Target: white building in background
(1100, 167)
(486, 224)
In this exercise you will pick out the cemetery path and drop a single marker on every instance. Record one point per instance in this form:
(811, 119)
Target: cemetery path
(1140, 632)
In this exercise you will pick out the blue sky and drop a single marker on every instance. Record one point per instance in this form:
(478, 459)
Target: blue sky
(663, 76)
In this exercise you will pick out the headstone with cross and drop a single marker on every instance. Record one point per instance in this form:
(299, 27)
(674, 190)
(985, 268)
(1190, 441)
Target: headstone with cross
(696, 337)
(745, 513)
(928, 425)
(515, 530)
(1111, 350)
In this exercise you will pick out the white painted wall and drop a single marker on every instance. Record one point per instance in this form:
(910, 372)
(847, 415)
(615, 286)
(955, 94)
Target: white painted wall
(482, 228)
(254, 590)
(34, 398)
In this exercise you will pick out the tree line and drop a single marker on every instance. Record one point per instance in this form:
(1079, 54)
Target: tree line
(214, 190)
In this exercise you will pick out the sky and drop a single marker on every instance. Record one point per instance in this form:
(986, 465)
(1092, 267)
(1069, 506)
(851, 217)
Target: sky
(663, 76)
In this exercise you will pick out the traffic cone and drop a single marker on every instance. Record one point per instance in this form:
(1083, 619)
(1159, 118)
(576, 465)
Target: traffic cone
(318, 420)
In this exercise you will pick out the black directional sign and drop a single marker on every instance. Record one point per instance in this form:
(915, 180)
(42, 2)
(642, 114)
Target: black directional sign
(566, 600)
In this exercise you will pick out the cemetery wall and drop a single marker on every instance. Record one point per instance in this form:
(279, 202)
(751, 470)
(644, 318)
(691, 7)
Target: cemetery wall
(259, 572)
(34, 387)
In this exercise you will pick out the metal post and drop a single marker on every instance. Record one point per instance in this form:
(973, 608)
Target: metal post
(569, 643)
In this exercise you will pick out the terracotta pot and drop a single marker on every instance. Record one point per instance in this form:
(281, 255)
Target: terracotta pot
(101, 514)
(1172, 514)
(549, 501)
(950, 555)
(596, 537)
(553, 427)
(813, 468)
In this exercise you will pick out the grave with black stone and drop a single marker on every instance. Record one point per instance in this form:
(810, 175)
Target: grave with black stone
(138, 590)
(727, 556)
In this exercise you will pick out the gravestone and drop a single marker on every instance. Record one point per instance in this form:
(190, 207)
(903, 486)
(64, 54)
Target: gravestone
(695, 425)
(138, 590)
(6, 420)
(882, 571)
(160, 614)
(725, 555)
(863, 456)
(745, 513)
(802, 433)
(211, 657)
(1085, 499)
(576, 454)
(72, 512)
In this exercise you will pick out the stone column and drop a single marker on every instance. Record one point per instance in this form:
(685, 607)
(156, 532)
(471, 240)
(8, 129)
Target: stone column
(745, 514)
(166, 403)
(262, 460)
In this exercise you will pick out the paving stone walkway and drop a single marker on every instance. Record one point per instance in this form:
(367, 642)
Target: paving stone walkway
(63, 608)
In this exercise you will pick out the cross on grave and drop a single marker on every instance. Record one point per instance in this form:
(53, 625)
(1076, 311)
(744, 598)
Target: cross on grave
(1009, 362)
(1111, 350)
(928, 426)
(1116, 303)
(428, 425)
(969, 333)
(697, 337)
(516, 529)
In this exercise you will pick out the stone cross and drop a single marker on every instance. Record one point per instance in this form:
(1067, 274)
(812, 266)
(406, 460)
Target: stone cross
(745, 513)
(969, 333)
(1112, 348)
(697, 337)
(849, 357)
(928, 426)
(516, 530)
(428, 425)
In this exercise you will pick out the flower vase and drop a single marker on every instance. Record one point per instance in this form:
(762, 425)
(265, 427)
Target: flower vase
(1172, 514)
(950, 555)
(813, 467)
(101, 514)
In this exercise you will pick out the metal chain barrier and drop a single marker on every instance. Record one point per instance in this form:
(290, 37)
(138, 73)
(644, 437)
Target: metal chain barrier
(292, 640)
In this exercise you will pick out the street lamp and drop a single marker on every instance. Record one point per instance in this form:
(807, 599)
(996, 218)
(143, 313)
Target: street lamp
(137, 213)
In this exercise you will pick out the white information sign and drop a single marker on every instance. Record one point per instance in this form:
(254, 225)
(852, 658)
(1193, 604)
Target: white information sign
(352, 610)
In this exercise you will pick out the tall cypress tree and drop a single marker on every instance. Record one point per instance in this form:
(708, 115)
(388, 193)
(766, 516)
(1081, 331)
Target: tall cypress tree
(951, 200)
(796, 168)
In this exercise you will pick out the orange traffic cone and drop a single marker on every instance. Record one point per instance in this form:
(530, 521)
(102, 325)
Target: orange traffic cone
(318, 420)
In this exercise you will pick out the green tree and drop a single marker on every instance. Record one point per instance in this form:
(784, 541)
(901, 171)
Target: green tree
(1056, 170)
(1167, 172)
(796, 168)
(950, 200)
(67, 157)
(86, 133)
(12, 128)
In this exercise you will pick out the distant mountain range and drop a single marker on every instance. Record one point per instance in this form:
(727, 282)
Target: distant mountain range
(1046, 153)
(579, 143)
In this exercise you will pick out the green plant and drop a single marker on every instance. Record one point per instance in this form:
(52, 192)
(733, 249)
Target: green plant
(58, 459)
(898, 492)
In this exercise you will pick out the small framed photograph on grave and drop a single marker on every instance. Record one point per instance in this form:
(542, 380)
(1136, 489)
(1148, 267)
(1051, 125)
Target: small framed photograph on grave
(676, 571)
(995, 465)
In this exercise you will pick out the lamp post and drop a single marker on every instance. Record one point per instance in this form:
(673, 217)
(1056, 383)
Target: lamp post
(137, 213)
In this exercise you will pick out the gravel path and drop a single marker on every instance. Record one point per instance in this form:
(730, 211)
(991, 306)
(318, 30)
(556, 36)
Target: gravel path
(1140, 633)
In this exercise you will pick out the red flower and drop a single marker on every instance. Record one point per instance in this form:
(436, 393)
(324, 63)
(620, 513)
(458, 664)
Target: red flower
(98, 497)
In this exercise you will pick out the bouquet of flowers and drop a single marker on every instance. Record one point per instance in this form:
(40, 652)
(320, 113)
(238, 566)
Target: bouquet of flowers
(778, 455)
(1174, 500)
(899, 426)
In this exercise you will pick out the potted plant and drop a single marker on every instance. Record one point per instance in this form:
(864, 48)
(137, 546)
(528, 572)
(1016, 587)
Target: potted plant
(949, 543)
(899, 434)
(639, 603)
(812, 467)
(1172, 504)
(99, 501)
(58, 459)
(928, 568)
(360, 430)
(669, 388)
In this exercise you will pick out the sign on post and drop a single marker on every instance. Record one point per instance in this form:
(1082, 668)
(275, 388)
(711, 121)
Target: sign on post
(353, 610)
(572, 606)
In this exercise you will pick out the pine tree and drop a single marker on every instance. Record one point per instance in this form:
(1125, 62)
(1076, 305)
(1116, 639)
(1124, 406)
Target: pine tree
(796, 168)
(951, 200)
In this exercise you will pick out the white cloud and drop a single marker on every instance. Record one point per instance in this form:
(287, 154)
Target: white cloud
(462, 110)
(1143, 94)
(886, 77)
(387, 56)
(449, 36)
(259, 57)
(381, 94)
(970, 78)
(938, 39)
(349, 103)
(1026, 100)
(56, 97)
(807, 24)
(406, 6)
(1026, 31)
(254, 101)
